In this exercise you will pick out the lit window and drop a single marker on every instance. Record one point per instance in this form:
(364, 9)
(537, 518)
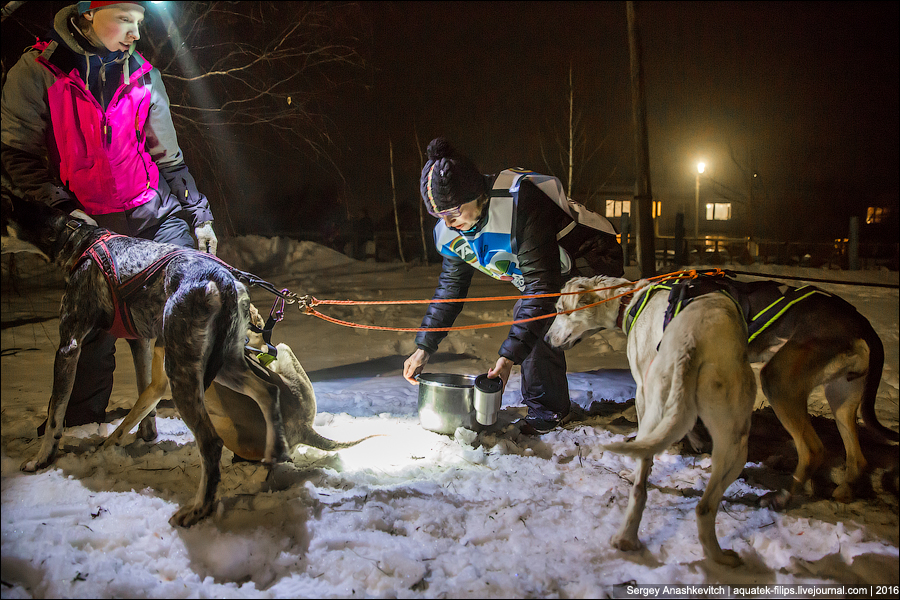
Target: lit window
(616, 208)
(657, 209)
(718, 211)
(876, 214)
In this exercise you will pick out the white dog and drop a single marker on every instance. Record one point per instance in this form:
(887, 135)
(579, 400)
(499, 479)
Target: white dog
(698, 367)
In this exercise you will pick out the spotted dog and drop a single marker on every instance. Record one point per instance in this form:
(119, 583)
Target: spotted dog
(193, 303)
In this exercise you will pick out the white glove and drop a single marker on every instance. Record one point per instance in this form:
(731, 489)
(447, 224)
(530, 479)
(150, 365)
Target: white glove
(80, 214)
(206, 237)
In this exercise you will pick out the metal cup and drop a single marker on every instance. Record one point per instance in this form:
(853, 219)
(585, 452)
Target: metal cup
(488, 395)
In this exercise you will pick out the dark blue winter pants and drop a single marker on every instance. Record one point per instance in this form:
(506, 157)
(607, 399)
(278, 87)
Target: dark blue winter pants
(545, 389)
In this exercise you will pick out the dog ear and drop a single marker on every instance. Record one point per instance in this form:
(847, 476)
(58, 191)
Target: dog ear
(587, 298)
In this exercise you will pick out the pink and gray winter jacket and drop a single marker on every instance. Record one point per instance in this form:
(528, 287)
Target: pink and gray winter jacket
(81, 130)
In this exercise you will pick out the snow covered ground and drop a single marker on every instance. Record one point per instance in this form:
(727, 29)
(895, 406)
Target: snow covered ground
(415, 514)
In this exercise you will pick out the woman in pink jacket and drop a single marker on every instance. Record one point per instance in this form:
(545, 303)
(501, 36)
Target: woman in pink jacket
(86, 127)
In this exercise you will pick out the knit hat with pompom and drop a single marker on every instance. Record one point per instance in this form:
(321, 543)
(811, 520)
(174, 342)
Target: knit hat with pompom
(449, 179)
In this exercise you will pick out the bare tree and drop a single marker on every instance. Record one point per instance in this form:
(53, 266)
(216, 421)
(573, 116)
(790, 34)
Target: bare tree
(422, 204)
(270, 67)
(396, 210)
(573, 155)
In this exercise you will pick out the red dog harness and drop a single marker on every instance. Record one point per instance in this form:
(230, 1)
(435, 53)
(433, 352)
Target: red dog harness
(122, 291)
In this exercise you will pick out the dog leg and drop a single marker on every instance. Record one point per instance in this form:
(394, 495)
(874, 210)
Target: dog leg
(787, 389)
(64, 366)
(142, 352)
(146, 403)
(258, 385)
(189, 332)
(188, 398)
(844, 397)
(728, 458)
(727, 409)
(626, 538)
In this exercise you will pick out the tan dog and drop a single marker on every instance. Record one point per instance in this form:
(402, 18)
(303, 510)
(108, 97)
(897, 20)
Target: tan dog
(700, 370)
(237, 419)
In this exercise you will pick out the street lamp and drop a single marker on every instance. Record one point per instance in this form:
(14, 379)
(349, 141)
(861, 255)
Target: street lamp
(700, 168)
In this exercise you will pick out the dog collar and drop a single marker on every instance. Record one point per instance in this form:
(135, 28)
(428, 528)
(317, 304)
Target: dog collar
(71, 228)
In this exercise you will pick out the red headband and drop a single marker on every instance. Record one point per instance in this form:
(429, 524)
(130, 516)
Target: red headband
(84, 7)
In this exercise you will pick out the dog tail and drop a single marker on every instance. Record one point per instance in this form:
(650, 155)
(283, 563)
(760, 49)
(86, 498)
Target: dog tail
(314, 439)
(873, 379)
(679, 413)
(218, 331)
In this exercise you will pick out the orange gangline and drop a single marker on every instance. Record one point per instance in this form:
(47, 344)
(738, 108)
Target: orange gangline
(690, 274)
(677, 274)
(314, 312)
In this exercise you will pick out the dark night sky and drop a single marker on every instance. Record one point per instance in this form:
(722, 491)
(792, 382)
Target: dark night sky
(810, 89)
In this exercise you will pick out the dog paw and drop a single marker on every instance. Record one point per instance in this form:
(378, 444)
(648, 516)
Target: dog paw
(189, 515)
(729, 558)
(282, 457)
(147, 429)
(777, 501)
(626, 544)
(843, 493)
(30, 466)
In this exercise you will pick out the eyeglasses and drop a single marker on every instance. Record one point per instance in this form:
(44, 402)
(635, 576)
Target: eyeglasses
(450, 213)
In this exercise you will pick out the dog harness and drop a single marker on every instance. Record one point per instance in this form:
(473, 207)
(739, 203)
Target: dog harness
(683, 293)
(122, 291)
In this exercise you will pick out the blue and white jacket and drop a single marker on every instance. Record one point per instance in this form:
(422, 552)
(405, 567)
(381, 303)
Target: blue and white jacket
(529, 234)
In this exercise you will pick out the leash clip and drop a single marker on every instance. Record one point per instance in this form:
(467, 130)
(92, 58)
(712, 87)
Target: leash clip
(277, 312)
(306, 303)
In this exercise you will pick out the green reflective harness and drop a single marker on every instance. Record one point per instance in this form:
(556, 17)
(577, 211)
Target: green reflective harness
(683, 293)
(761, 320)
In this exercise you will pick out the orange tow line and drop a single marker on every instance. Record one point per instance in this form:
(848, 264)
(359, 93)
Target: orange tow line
(307, 304)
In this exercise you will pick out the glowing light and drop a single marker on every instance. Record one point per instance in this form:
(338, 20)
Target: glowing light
(401, 444)
(701, 166)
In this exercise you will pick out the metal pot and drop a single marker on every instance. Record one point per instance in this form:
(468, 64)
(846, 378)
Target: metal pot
(446, 401)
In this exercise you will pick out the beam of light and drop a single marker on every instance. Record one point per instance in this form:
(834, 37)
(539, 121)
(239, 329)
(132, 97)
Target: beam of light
(203, 97)
(402, 445)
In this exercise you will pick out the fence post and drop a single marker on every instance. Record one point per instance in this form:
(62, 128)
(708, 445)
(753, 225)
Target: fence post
(853, 246)
(626, 230)
(680, 258)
